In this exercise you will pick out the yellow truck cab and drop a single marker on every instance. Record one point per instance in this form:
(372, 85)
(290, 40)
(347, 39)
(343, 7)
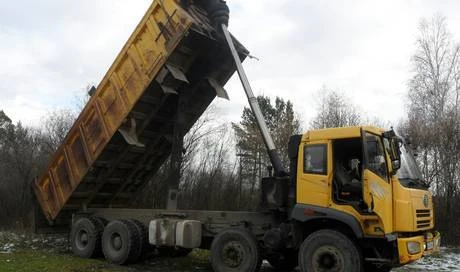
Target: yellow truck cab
(365, 180)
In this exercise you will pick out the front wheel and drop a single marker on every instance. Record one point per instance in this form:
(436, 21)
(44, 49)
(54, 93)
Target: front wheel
(235, 250)
(329, 250)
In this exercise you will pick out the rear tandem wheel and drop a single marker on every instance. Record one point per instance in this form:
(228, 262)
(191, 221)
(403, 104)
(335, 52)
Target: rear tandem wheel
(86, 236)
(120, 242)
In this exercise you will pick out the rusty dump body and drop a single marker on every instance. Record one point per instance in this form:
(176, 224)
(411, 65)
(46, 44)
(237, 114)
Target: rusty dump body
(173, 56)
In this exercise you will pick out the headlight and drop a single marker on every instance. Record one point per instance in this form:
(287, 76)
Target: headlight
(413, 247)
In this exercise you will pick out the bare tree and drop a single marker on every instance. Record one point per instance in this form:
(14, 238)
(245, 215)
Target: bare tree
(433, 98)
(55, 128)
(335, 110)
(20, 158)
(206, 155)
(212, 180)
(433, 116)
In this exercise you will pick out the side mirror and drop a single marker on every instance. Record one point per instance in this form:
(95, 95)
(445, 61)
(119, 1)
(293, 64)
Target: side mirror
(395, 165)
(395, 152)
(389, 134)
(395, 156)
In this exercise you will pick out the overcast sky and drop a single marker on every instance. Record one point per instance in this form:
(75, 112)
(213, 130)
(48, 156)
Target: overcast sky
(52, 49)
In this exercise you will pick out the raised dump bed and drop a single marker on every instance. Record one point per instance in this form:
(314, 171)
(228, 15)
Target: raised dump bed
(174, 61)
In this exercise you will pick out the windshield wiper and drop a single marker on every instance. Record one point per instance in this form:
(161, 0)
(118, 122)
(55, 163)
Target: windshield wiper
(414, 183)
(419, 183)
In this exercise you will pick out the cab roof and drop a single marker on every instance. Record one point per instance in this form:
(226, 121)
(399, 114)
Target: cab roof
(339, 133)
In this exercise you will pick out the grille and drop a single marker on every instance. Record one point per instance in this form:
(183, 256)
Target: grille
(423, 218)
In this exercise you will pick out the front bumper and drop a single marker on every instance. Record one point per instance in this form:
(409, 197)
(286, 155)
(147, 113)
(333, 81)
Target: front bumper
(413, 248)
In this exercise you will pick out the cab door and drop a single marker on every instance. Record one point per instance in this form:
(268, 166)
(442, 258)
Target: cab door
(314, 173)
(377, 190)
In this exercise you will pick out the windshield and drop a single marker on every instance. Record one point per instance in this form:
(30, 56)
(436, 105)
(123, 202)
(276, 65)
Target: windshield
(409, 174)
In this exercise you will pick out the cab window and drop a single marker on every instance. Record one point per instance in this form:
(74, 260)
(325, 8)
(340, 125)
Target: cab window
(315, 159)
(375, 155)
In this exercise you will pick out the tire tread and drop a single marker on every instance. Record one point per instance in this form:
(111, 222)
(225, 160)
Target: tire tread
(337, 237)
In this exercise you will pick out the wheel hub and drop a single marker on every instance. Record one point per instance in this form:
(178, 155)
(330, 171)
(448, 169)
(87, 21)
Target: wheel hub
(82, 239)
(233, 254)
(116, 241)
(328, 258)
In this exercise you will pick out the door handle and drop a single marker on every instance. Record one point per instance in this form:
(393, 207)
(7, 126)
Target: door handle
(371, 208)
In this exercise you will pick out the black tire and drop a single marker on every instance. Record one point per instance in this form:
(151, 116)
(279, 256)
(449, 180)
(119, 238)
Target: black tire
(175, 252)
(329, 250)
(219, 13)
(235, 249)
(143, 235)
(285, 261)
(120, 242)
(85, 237)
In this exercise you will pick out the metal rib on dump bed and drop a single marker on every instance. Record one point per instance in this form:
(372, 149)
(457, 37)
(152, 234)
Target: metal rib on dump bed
(123, 135)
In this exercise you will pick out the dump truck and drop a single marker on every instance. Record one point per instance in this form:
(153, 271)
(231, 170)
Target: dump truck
(352, 199)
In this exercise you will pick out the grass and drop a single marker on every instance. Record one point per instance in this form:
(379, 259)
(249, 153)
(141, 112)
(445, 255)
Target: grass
(25, 260)
(37, 260)
(28, 252)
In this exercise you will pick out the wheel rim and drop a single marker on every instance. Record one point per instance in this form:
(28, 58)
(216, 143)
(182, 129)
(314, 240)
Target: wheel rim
(115, 241)
(82, 240)
(233, 254)
(328, 258)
